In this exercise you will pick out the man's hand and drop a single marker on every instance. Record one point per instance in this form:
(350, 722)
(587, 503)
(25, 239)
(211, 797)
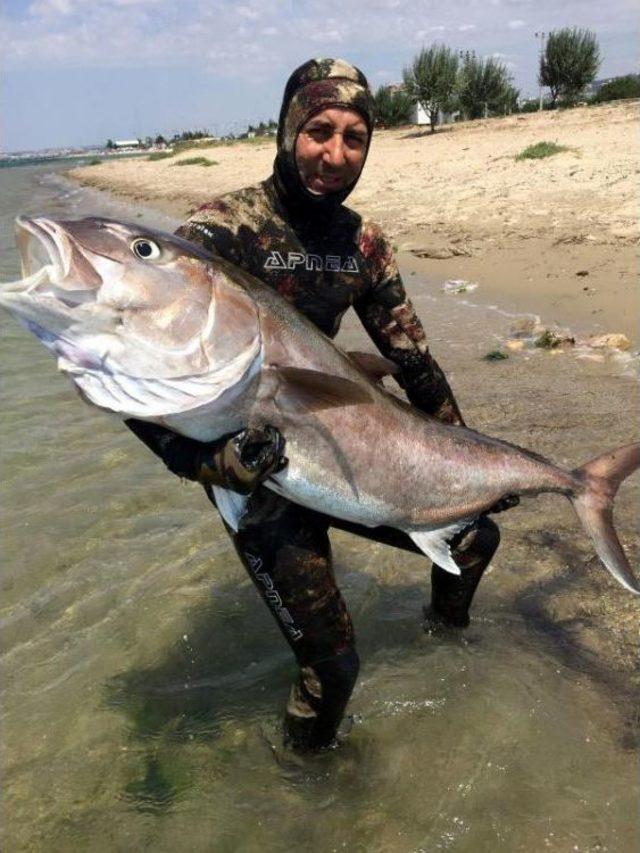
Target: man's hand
(239, 462)
(244, 461)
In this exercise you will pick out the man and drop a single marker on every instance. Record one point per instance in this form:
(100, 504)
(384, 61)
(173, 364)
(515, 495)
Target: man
(294, 233)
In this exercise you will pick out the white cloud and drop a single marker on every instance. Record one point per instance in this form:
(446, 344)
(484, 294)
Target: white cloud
(422, 34)
(247, 12)
(47, 8)
(331, 36)
(504, 59)
(135, 2)
(221, 35)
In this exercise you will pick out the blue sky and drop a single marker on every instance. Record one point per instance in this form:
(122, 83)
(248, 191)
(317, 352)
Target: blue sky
(76, 72)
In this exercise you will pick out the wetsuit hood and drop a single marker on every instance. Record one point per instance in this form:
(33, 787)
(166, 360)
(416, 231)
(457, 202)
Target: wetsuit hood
(315, 86)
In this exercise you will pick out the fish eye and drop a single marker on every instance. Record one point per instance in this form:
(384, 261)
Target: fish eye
(145, 249)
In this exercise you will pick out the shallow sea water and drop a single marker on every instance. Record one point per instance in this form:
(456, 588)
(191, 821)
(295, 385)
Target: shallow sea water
(144, 679)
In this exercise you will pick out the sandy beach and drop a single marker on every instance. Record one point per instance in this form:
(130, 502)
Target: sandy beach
(557, 237)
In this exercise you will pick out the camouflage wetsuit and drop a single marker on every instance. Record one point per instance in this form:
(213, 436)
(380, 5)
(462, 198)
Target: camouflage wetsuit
(324, 259)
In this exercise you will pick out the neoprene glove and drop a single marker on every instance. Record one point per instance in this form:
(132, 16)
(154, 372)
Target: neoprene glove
(239, 462)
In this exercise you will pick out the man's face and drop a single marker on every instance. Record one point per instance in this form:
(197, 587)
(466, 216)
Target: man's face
(330, 149)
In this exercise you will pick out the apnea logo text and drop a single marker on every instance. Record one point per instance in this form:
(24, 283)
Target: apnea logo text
(294, 260)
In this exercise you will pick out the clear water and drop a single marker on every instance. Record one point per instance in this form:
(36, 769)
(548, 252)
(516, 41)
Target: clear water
(144, 680)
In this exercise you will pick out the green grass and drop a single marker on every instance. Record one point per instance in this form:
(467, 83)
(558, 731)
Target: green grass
(540, 150)
(495, 355)
(196, 161)
(160, 155)
(186, 144)
(258, 140)
(182, 146)
(95, 161)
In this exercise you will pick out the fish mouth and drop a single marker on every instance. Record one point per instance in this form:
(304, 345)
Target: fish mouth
(50, 261)
(49, 297)
(42, 245)
(42, 257)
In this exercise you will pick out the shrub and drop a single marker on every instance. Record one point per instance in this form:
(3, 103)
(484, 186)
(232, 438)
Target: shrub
(160, 155)
(621, 87)
(196, 161)
(540, 150)
(392, 107)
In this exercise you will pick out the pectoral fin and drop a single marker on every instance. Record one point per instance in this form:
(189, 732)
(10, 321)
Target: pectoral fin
(301, 389)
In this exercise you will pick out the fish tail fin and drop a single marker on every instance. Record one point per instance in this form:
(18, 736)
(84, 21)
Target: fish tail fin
(593, 503)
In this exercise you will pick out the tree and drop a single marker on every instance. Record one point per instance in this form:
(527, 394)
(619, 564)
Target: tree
(530, 106)
(392, 107)
(484, 86)
(507, 103)
(110, 144)
(569, 63)
(431, 80)
(619, 88)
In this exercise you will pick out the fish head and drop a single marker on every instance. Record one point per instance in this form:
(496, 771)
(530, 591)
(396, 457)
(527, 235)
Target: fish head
(113, 299)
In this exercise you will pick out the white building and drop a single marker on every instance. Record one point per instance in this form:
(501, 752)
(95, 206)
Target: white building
(419, 116)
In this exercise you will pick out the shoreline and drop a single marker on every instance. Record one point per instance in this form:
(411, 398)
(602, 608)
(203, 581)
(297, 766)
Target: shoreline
(557, 237)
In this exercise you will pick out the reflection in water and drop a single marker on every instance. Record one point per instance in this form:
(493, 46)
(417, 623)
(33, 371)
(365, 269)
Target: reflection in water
(144, 679)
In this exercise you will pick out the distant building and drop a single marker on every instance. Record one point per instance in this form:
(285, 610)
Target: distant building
(126, 143)
(418, 114)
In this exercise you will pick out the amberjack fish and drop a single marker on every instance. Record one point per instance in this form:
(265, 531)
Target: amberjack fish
(147, 325)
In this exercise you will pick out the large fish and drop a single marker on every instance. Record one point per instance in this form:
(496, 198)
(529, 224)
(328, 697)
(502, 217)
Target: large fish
(149, 326)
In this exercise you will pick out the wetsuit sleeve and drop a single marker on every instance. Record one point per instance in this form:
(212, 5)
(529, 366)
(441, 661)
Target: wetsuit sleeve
(218, 227)
(391, 321)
